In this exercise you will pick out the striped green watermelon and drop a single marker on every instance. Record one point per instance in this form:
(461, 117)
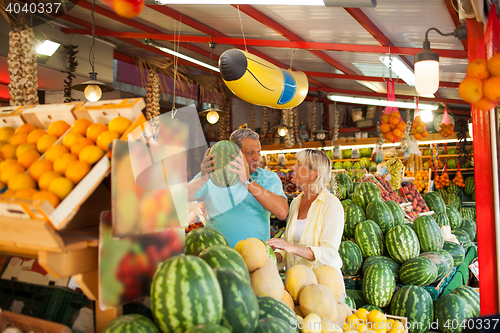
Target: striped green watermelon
(184, 293)
(441, 219)
(452, 163)
(410, 224)
(371, 307)
(345, 180)
(208, 328)
(222, 152)
(442, 192)
(365, 152)
(427, 152)
(272, 308)
(468, 213)
(199, 239)
(414, 303)
(471, 296)
(469, 185)
(366, 193)
(402, 244)
(240, 307)
(449, 258)
(454, 217)
(470, 227)
(341, 192)
(338, 165)
(352, 258)
(453, 188)
(135, 323)
(358, 176)
(418, 271)
(379, 285)
(379, 212)
(451, 151)
(441, 262)
(224, 256)
(456, 251)
(274, 325)
(369, 238)
(397, 212)
(372, 167)
(346, 154)
(451, 312)
(365, 162)
(428, 233)
(346, 203)
(347, 165)
(454, 200)
(435, 203)
(463, 238)
(350, 302)
(352, 216)
(370, 261)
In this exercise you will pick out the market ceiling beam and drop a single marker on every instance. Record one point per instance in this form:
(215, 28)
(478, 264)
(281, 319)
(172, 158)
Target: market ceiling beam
(410, 51)
(214, 34)
(285, 32)
(456, 21)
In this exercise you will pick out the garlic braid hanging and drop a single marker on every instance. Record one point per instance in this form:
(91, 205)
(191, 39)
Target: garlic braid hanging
(252, 118)
(288, 121)
(336, 124)
(296, 127)
(264, 121)
(152, 95)
(313, 119)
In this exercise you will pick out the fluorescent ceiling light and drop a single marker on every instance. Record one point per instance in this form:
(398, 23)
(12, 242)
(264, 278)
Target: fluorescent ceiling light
(375, 86)
(47, 48)
(399, 67)
(380, 102)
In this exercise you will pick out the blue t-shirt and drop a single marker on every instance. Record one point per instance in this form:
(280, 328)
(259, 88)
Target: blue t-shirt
(235, 212)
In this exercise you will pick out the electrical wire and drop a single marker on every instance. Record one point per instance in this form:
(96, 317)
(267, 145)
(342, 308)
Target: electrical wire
(242, 32)
(92, 50)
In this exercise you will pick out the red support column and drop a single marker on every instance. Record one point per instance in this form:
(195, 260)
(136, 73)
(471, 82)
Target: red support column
(485, 203)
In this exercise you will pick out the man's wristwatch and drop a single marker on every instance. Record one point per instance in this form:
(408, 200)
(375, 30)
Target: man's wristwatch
(248, 182)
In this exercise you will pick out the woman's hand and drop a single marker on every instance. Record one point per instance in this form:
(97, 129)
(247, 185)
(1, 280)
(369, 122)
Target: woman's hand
(241, 167)
(207, 165)
(281, 244)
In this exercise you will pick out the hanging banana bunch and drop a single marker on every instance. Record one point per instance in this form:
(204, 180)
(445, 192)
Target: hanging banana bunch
(313, 119)
(252, 118)
(22, 63)
(296, 126)
(336, 124)
(152, 95)
(264, 121)
(288, 121)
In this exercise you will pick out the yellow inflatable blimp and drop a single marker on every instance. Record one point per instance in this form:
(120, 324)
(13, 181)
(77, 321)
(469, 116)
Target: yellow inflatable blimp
(260, 82)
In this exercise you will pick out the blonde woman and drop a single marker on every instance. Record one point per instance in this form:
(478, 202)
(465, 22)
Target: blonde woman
(316, 218)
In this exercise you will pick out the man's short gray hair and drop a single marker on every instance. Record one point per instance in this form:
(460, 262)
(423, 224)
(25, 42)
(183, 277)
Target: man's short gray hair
(243, 133)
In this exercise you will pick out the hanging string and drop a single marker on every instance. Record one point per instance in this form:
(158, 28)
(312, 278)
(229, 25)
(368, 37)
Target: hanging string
(291, 60)
(242, 32)
(92, 50)
(176, 60)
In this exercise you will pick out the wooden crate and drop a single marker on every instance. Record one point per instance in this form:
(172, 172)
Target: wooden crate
(30, 324)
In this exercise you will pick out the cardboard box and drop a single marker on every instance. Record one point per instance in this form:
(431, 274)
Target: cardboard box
(42, 115)
(11, 116)
(104, 111)
(29, 271)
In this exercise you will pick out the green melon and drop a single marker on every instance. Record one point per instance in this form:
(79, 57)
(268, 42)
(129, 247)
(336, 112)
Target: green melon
(338, 165)
(451, 151)
(468, 213)
(366, 193)
(346, 203)
(274, 325)
(471, 296)
(345, 180)
(463, 238)
(414, 303)
(272, 308)
(132, 323)
(270, 252)
(222, 151)
(441, 219)
(429, 235)
(199, 239)
(442, 192)
(449, 258)
(435, 203)
(347, 165)
(457, 252)
(223, 256)
(352, 216)
(470, 227)
(454, 200)
(379, 285)
(350, 302)
(453, 188)
(352, 258)
(370, 261)
(397, 212)
(452, 163)
(371, 307)
(418, 271)
(402, 243)
(369, 238)
(441, 261)
(454, 217)
(346, 153)
(469, 185)
(379, 212)
(451, 312)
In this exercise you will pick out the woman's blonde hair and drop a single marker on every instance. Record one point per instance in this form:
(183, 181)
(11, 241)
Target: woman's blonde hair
(316, 160)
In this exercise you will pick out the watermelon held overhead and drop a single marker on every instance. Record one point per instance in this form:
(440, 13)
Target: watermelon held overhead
(223, 151)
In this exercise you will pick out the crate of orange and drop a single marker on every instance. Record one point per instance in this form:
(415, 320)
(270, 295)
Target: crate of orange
(392, 125)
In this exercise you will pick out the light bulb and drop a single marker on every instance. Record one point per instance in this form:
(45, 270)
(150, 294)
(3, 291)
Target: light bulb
(426, 77)
(469, 125)
(212, 117)
(320, 135)
(282, 131)
(92, 93)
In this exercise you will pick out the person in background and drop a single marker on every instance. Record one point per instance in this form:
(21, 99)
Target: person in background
(316, 218)
(243, 210)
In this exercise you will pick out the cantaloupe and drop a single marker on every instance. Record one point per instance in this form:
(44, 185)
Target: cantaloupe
(297, 278)
(266, 282)
(318, 299)
(287, 299)
(332, 279)
(254, 253)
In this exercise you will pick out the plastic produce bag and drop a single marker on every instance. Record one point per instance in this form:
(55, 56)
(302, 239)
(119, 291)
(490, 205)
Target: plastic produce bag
(446, 126)
(355, 153)
(336, 155)
(392, 125)
(418, 128)
(378, 154)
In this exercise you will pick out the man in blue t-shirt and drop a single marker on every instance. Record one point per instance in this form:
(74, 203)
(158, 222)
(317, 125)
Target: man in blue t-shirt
(243, 210)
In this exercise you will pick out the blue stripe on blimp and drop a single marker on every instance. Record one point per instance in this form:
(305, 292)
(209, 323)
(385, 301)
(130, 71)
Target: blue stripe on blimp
(289, 87)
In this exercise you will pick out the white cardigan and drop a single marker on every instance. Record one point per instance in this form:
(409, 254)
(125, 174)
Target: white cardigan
(322, 232)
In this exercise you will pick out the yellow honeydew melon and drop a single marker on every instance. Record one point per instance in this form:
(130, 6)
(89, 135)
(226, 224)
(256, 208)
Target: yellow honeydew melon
(318, 299)
(312, 324)
(254, 253)
(297, 278)
(331, 278)
(266, 282)
(287, 299)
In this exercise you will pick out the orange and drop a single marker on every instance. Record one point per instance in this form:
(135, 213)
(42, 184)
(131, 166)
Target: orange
(61, 187)
(401, 126)
(35, 135)
(28, 128)
(417, 136)
(394, 120)
(384, 128)
(40, 167)
(386, 118)
(491, 89)
(58, 128)
(70, 138)
(2, 143)
(45, 142)
(478, 69)
(77, 170)
(94, 130)
(27, 193)
(6, 133)
(46, 195)
(8, 151)
(24, 148)
(79, 145)
(19, 138)
(376, 316)
(471, 90)
(91, 154)
(21, 181)
(9, 193)
(9, 171)
(55, 151)
(27, 158)
(396, 132)
(389, 137)
(7, 162)
(46, 178)
(80, 126)
(119, 125)
(62, 162)
(417, 119)
(484, 104)
(494, 65)
(106, 138)
(393, 126)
